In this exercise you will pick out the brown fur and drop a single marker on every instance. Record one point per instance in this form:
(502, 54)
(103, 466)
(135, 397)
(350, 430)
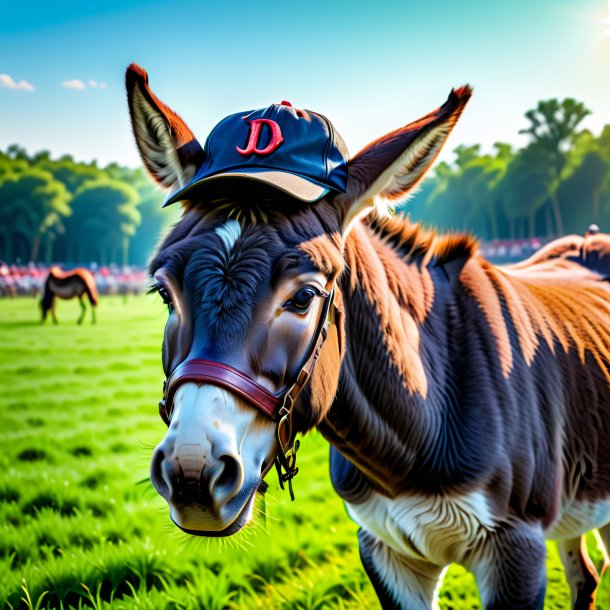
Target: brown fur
(84, 274)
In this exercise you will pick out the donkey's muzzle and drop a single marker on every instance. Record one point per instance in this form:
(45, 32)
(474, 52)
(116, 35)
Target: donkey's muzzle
(188, 475)
(208, 466)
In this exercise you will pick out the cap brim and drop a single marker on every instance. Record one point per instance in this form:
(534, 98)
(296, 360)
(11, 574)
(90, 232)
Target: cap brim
(296, 186)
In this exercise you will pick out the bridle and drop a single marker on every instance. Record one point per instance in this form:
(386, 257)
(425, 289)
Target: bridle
(278, 407)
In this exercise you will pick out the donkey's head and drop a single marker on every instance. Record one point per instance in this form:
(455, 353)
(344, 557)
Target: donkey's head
(254, 339)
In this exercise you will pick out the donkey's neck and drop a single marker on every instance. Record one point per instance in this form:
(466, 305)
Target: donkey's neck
(396, 411)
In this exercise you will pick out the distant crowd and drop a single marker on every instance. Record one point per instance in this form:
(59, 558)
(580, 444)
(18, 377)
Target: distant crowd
(502, 251)
(28, 280)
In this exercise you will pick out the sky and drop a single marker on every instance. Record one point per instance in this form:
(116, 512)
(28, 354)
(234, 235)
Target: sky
(368, 66)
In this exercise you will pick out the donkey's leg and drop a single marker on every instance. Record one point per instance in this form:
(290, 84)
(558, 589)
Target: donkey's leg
(53, 302)
(92, 314)
(511, 571)
(83, 309)
(580, 572)
(401, 583)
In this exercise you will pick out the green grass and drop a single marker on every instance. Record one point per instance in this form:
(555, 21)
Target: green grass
(81, 526)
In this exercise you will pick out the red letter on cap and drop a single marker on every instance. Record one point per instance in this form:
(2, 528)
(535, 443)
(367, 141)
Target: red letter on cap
(255, 131)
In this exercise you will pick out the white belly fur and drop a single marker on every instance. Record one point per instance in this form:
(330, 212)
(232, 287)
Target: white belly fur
(438, 529)
(446, 529)
(577, 518)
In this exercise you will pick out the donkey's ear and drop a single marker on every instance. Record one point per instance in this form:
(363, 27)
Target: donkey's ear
(168, 148)
(391, 166)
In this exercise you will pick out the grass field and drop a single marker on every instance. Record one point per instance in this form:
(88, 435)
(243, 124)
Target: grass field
(81, 526)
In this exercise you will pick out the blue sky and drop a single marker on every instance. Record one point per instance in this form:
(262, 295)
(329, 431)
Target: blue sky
(369, 66)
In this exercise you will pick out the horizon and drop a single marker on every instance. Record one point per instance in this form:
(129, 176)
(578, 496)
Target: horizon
(334, 59)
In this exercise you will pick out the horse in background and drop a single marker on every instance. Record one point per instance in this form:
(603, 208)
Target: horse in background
(68, 285)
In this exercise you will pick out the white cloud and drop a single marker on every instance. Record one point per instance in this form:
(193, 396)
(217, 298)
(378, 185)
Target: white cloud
(7, 82)
(74, 84)
(79, 85)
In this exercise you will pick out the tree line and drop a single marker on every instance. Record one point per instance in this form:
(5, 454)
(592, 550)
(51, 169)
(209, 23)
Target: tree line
(558, 183)
(61, 210)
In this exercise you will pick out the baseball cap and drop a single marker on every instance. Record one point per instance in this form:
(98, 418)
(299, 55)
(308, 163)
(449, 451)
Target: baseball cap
(296, 151)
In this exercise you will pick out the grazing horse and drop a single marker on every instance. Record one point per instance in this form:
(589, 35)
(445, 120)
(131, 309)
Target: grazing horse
(467, 405)
(67, 285)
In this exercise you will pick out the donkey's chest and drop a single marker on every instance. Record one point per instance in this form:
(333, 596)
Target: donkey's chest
(439, 529)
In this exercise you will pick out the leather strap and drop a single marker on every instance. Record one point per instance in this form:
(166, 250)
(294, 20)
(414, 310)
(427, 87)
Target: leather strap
(227, 377)
(274, 406)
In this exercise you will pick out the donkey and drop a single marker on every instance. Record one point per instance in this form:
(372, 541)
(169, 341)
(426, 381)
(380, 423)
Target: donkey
(68, 285)
(466, 405)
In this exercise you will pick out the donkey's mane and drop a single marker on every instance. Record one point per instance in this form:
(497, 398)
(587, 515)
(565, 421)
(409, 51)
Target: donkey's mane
(415, 242)
(412, 241)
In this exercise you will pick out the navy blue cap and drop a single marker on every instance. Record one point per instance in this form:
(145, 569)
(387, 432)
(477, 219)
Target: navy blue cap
(296, 151)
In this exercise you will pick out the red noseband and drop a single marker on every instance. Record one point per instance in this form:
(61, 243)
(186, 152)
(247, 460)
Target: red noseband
(225, 376)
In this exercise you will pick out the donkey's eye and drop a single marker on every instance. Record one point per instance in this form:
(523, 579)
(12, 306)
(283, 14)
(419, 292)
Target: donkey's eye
(302, 299)
(166, 296)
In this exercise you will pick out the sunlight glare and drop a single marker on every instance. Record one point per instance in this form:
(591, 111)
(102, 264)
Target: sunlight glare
(606, 22)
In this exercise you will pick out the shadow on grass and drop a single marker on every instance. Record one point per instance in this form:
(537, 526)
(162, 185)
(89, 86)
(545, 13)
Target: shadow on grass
(20, 323)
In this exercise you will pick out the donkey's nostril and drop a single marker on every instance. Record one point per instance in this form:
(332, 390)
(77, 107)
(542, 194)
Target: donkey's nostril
(156, 473)
(229, 472)
(228, 479)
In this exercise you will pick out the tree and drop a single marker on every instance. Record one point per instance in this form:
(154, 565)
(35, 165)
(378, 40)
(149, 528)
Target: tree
(463, 196)
(524, 188)
(155, 219)
(580, 191)
(104, 218)
(483, 191)
(72, 174)
(14, 151)
(552, 128)
(33, 202)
